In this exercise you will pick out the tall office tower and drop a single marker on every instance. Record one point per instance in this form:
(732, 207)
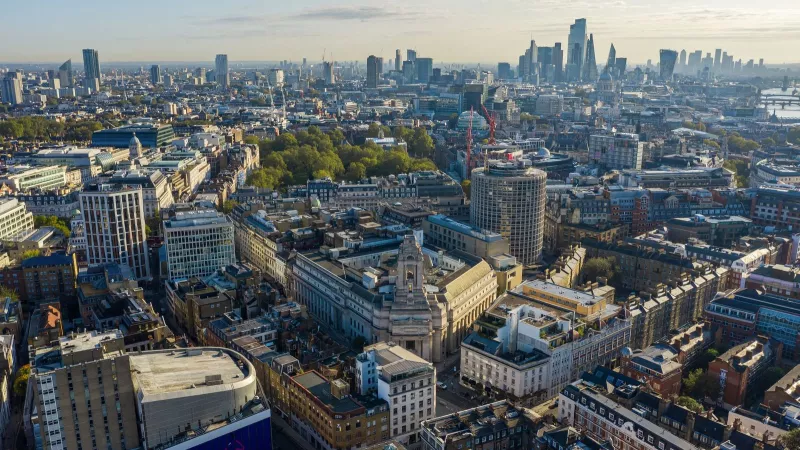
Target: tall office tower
(545, 64)
(155, 74)
(695, 59)
(65, 73)
(221, 72)
(533, 61)
(522, 65)
(666, 63)
(51, 75)
(11, 91)
(682, 60)
(761, 63)
(509, 198)
(558, 62)
(374, 70)
(198, 241)
(91, 63)
(113, 217)
(424, 69)
(409, 72)
(504, 71)
(708, 62)
(612, 59)
(327, 72)
(398, 60)
(411, 55)
(622, 66)
(590, 65)
(200, 72)
(576, 50)
(717, 58)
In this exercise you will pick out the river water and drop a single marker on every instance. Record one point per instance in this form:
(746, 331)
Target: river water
(790, 111)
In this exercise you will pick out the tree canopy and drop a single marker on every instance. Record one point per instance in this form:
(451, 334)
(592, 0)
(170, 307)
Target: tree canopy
(701, 384)
(33, 128)
(689, 403)
(741, 171)
(294, 158)
(790, 440)
(52, 221)
(21, 381)
(599, 267)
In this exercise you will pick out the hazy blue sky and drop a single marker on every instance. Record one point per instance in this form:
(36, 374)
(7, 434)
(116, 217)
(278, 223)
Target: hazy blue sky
(446, 30)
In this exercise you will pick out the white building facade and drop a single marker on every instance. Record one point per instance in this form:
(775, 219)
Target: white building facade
(198, 242)
(113, 218)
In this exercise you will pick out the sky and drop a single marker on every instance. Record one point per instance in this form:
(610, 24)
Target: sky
(487, 31)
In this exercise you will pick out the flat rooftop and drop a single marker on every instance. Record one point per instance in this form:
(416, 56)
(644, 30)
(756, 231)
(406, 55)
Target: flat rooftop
(460, 227)
(584, 298)
(321, 389)
(179, 370)
(87, 341)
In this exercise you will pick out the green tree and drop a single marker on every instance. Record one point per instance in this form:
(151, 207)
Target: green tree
(466, 186)
(689, 403)
(738, 144)
(598, 267)
(374, 130)
(790, 440)
(251, 140)
(741, 171)
(52, 221)
(705, 359)
(21, 381)
(768, 142)
(421, 164)
(228, 205)
(6, 292)
(284, 141)
(266, 177)
(421, 144)
(711, 143)
(700, 384)
(526, 117)
(27, 254)
(403, 133)
(356, 171)
(793, 136)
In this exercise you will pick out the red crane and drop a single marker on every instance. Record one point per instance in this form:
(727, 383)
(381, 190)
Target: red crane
(492, 125)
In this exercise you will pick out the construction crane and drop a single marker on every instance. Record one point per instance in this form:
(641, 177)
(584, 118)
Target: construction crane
(492, 125)
(469, 143)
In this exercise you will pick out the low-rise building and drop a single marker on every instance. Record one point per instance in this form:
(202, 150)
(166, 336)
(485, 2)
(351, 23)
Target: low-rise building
(540, 336)
(744, 314)
(494, 426)
(616, 408)
(330, 418)
(720, 231)
(14, 217)
(195, 304)
(738, 368)
(404, 380)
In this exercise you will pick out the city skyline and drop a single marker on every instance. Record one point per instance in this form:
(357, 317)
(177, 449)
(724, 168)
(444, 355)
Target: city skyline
(249, 31)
